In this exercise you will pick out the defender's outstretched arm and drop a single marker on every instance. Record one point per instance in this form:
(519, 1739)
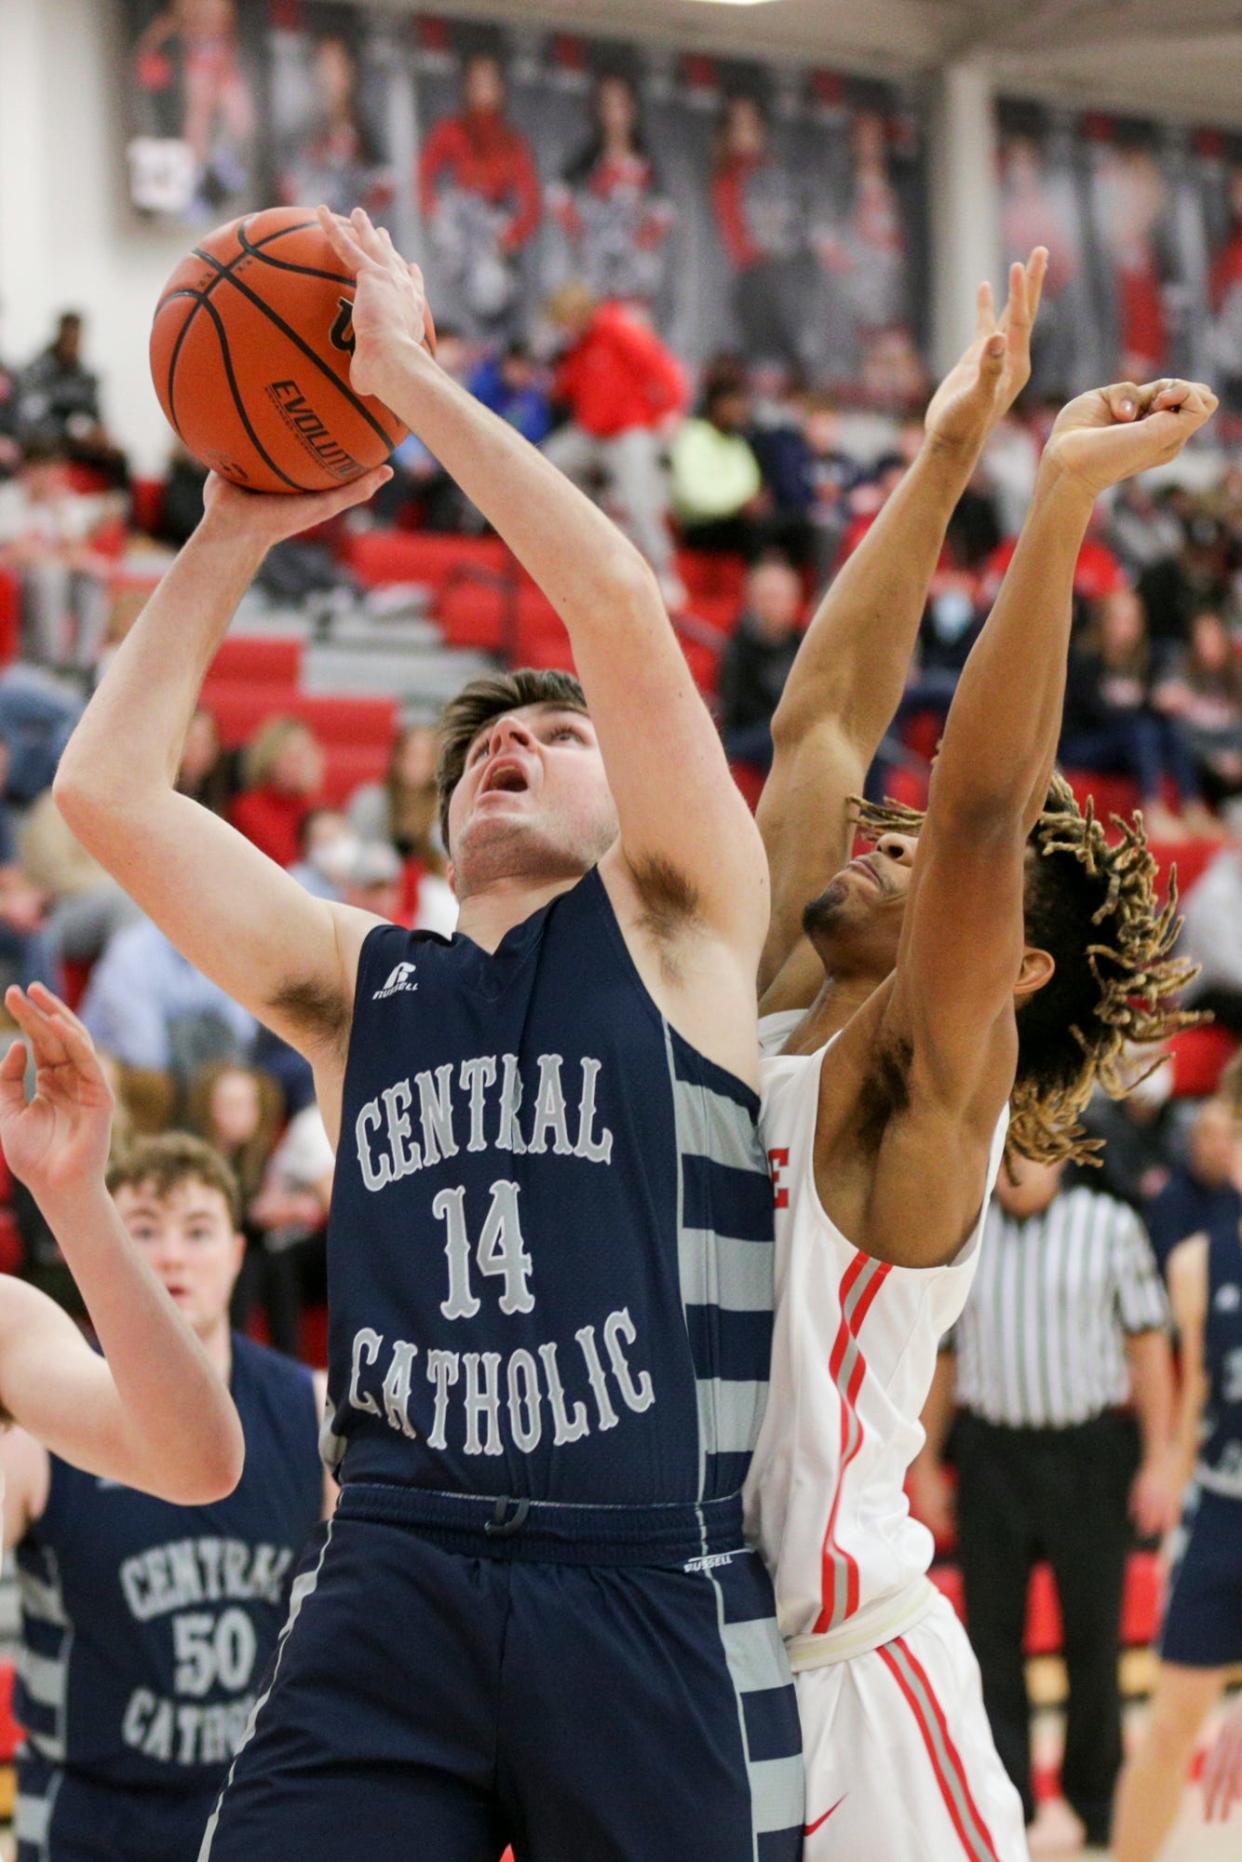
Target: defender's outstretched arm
(991, 779)
(851, 668)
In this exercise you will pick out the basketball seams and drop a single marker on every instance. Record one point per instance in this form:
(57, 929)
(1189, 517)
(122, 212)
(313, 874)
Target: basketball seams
(299, 342)
(240, 405)
(259, 251)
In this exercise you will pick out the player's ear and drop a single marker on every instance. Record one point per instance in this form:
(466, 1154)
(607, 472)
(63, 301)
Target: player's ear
(450, 873)
(1036, 969)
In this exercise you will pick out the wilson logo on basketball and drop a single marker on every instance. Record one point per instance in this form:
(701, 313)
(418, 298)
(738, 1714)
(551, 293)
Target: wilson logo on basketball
(342, 334)
(302, 420)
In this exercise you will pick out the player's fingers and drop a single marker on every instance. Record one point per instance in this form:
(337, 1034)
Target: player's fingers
(1016, 317)
(1036, 272)
(1124, 400)
(52, 1004)
(985, 309)
(340, 238)
(13, 1066)
(33, 1022)
(365, 233)
(992, 358)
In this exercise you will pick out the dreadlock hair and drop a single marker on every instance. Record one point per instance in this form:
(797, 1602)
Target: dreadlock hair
(1103, 995)
(487, 698)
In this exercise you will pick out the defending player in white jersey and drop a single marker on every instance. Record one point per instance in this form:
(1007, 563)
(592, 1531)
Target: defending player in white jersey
(999, 969)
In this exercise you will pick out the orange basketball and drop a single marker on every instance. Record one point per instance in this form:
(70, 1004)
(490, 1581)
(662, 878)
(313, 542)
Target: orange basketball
(250, 354)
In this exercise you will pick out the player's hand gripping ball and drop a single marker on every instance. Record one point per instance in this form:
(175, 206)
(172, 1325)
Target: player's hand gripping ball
(250, 354)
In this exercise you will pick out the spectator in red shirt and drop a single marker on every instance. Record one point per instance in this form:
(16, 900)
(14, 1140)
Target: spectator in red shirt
(623, 390)
(283, 777)
(480, 197)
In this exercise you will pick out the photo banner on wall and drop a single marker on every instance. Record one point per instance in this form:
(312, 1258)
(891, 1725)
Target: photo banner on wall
(776, 210)
(1143, 221)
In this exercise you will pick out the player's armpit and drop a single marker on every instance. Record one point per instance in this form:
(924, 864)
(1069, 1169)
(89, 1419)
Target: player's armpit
(25, 1473)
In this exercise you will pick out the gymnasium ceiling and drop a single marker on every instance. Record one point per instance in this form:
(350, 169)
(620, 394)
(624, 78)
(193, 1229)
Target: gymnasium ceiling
(1181, 57)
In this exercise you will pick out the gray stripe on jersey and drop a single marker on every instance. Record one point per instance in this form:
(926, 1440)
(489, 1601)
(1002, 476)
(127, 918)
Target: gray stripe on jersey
(717, 1270)
(44, 1678)
(777, 1794)
(730, 1412)
(42, 1601)
(709, 1125)
(756, 1656)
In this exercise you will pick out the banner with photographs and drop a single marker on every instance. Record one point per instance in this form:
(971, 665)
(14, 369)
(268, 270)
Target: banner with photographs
(775, 210)
(1143, 221)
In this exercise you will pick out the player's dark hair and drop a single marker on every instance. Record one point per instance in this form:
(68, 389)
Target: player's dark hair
(1096, 911)
(170, 1159)
(484, 699)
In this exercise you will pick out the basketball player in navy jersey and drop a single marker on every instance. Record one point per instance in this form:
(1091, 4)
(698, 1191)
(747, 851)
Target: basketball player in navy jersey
(533, 1618)
(152, 1411)
(147, 1627)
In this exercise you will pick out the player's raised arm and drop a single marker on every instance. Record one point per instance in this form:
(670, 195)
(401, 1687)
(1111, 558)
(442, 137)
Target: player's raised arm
(851, 668)
(151, 1412)
(227, 907)
(682, 819)
(963, 950)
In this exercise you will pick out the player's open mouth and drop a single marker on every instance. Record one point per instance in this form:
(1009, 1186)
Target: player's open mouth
(508, 778)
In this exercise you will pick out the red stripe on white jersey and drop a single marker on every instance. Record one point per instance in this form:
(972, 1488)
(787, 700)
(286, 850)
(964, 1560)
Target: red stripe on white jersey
(836, 1558)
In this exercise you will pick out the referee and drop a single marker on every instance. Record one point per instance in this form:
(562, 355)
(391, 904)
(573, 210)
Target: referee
(1065, 1325)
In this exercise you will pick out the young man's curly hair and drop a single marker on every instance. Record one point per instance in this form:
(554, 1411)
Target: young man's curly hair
(1095, 909)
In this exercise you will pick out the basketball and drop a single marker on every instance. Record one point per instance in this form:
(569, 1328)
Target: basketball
(250, 353)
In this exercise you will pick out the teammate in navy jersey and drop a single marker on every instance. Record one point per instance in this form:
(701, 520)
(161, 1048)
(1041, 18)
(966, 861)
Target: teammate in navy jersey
(147, 1627)
(1201, 1638)
(152, 1411)
(550, 1252)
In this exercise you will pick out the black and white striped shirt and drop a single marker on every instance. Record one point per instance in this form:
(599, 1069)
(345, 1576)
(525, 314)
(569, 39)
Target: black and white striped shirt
(1041, 1343)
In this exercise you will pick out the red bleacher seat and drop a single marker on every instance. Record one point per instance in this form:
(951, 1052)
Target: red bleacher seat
(1113, 795)
(11, 1734)
(263, 659)
(348, 766)
(1199, 1056)
(474, 614)
(146, 503)
(1190, 857)
(240, 708)
(707, 574)
(10, 615)
(382, 556)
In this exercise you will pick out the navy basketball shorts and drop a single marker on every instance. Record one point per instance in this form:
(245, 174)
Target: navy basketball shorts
(601, 1684)
(1203, 1616)
(63, 1816)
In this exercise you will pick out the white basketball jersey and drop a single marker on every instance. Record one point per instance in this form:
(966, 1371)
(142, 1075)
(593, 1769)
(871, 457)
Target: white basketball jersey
(853, 1356)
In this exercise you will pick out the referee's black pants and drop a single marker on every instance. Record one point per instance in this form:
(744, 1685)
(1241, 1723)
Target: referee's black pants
(1060, 1495)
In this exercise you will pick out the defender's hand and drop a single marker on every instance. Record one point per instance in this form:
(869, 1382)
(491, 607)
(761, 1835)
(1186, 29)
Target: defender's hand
(390, 303)
(1113, 433)
(60, 1139)
(981, 388)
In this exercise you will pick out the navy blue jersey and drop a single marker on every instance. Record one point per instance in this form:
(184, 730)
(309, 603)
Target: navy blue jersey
(1220, 1447)
(146, 1627)
(550, 1247)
